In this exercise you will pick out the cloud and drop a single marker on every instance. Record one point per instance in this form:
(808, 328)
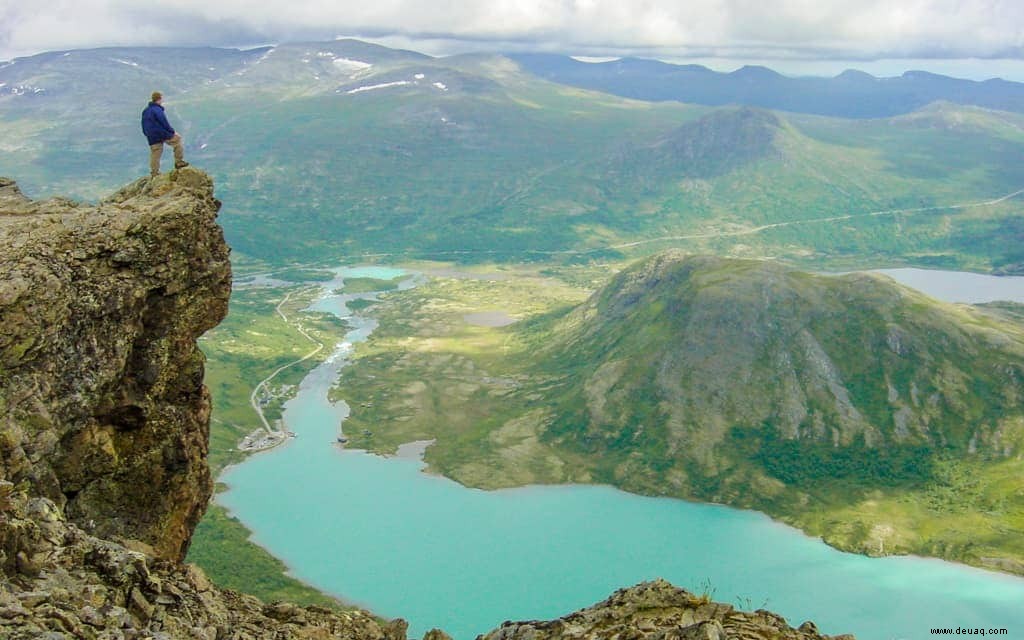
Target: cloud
(797, 29)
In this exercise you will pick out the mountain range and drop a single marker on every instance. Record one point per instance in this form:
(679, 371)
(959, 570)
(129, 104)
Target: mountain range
(352, 149)
(851, 94)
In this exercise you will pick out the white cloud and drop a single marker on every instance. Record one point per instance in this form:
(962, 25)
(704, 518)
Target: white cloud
(796, 29)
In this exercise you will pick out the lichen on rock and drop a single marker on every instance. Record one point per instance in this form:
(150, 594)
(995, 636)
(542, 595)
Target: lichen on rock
(104, 412)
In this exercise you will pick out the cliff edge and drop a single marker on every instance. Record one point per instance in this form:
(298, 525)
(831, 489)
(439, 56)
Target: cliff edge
(101, 398)
(104, 420)
(104, 431)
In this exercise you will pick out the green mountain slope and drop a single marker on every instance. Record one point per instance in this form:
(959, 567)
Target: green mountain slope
(849, 406)
(806, 396)
(342, 147)
(711, 345)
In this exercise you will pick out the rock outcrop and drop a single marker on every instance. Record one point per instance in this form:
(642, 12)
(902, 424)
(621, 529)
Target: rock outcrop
(104, 431)
(102, 405)
(658, 611)
(59, 582)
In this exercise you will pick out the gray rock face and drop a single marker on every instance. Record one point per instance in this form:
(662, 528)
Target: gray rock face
(102, 405)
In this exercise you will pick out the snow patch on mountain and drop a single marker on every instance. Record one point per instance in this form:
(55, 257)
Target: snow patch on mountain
(373, 87)
(350, 66)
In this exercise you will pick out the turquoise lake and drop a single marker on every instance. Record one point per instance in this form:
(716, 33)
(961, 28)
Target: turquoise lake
(381, 533)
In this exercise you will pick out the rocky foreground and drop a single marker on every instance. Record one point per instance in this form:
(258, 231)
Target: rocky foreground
(104, 431)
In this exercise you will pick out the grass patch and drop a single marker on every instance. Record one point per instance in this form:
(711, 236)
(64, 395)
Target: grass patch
(972, 512)
(360, 304)
(304, 275)
(369, 285)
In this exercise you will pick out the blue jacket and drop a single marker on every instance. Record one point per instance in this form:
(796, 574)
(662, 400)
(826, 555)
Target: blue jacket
(155, 125)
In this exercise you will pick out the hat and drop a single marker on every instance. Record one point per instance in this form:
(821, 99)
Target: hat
(156, 96)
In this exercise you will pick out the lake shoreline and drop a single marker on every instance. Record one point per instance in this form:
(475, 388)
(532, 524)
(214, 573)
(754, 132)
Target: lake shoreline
(367, 484)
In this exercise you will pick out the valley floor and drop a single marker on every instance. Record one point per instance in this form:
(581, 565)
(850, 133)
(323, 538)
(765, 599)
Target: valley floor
(448, 364)
(256, 339)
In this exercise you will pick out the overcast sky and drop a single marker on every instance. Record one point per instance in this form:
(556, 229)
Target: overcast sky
(981, 38)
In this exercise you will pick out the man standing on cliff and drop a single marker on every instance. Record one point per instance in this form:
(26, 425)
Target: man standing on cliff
(160, 132)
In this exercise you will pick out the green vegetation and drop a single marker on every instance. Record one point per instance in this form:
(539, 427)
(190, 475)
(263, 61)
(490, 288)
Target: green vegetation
(366, 285)
(252, 342)
(614, 390)
(430, 330)
(359, 304)
(970, 512)
(298, 274)
(801, 464)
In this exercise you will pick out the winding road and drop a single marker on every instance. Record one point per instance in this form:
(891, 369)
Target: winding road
(255, 392)
(850, 216)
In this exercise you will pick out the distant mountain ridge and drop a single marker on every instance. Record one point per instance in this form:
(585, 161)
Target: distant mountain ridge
(345, 147)
(713, 145)
(851, 94)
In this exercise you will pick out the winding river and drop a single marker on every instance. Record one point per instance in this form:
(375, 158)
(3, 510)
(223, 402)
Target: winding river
(379, 532)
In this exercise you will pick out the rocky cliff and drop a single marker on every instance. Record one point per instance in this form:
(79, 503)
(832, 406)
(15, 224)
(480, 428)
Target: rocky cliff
(103, 409)
(103, 439)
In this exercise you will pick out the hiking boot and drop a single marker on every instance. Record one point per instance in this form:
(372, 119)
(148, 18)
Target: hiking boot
(179, 165)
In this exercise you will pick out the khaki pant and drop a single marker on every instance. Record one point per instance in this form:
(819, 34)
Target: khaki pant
(157, 150)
